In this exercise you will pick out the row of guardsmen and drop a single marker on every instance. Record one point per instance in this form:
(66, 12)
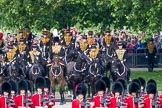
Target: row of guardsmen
(20, 95)
(139, 95)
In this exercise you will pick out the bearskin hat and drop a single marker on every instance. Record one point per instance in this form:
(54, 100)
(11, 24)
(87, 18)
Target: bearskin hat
(30, 86)
(56, 39)
(13, 85)
(6, 87)
(143, 82)
(123, 82)
(151, 88)
(137, 81)
(1, 35)
(81, 89)
(152, 81)
(100, 85)
(39, 82)
(47, 83)
(117, 87)
(107, 82)
(134, 87)
(22, 85)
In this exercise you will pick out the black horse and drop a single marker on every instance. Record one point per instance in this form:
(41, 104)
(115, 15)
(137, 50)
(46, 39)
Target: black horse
(71, 54)
(119, 70)
(35, 70)
(22, 63)
(95, 72)
(76, 72)
(106, 57)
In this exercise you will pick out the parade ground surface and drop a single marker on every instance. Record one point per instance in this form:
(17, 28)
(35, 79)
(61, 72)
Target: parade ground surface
(136, 72)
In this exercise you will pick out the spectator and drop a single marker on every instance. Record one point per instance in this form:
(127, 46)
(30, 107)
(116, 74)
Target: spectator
(161, 43)
(131, 46)
(157, 43)
(140, 45)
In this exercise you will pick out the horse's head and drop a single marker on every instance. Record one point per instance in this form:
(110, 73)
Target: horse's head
(95, 68)
(56, 60)
(115, 61)
(36, 69)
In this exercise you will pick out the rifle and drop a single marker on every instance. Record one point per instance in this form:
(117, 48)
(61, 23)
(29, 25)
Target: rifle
(50, 97)
(85, 104)
(27, 101)
(154, 102)
(103, 101)
(120, 103)
(10, 102)
(44, 100)
(138, 99)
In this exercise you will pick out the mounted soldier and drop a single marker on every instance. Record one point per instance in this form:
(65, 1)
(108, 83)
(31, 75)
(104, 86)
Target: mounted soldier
(10, 56)
(90, 38)
(121, 53)
(1, 43)
(35, 59)
(28, 36)
(20, 35)
(22, 55)
(57, 50)
(45, 44)
(108, 38)
(83, 44)
(67, 39)
(49, 34)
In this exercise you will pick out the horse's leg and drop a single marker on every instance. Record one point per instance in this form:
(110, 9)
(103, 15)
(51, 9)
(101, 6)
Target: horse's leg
(89, 89)
(61, 85)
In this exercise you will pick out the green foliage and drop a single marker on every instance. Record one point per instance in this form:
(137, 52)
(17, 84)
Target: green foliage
(138, 15)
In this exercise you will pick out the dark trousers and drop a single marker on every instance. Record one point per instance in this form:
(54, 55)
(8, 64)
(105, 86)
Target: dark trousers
(151, 59)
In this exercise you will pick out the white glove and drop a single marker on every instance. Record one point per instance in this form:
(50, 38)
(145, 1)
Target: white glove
(7, 63)
(122, 61)
(13, 63)
(155, 56)
(30, 65)
(146, 56)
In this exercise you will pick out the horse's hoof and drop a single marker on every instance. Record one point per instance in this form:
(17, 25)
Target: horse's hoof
(64, 102)
(61, 103)
(69, 96)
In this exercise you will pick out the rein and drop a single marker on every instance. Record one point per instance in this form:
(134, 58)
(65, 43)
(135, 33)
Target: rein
(123, 70)
(79, 70)
(54, 73)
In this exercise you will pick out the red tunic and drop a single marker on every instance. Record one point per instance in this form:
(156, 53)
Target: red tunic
(147, 103)
(96, 100)
(160, 101)
(53, 101)
(36, 99)
(130, 103)
(113, 102)
(20, 101)
(77, 104)
(3, 102)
